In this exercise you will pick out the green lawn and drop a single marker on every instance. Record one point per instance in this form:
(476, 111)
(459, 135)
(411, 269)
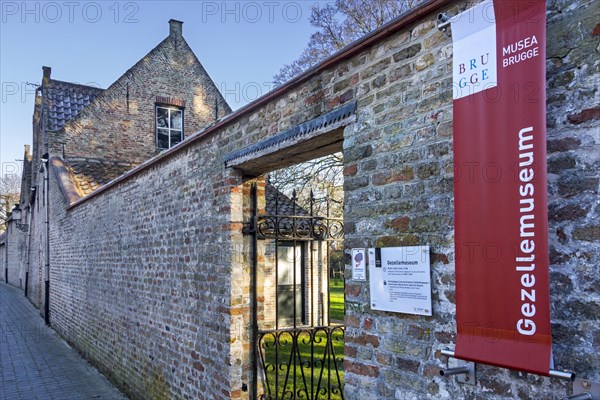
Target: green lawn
(336, 299)
(316, 365)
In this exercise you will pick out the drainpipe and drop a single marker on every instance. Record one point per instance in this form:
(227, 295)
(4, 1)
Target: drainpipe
(6, 252)
(45, 159)
(28, 248)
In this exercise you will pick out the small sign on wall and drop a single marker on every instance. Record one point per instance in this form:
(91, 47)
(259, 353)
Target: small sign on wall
(359, 265)
(400, 279)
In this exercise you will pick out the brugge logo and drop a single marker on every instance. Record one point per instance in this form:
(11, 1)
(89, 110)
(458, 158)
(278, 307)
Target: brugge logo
(475, 54)
(475, 71)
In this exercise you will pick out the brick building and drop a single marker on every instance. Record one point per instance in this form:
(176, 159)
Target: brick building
(96, 135)
(151, 273)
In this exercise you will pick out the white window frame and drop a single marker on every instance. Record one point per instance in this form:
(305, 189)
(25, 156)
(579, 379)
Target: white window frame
(168, 128)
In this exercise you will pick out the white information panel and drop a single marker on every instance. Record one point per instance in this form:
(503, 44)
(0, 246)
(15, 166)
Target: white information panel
(359, 265)
(400, 279)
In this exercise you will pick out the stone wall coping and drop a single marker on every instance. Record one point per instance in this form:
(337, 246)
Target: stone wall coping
(352, 49)
(294, 135)
(65, 180)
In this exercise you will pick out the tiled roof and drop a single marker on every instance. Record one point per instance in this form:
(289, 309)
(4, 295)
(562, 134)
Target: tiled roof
(278, 203)
(89, 174)
(65, 100)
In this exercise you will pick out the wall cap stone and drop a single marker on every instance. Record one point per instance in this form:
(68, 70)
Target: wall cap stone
(65, 180)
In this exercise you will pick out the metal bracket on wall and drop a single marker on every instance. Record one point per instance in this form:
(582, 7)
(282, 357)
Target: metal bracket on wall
(464, 370)
(443, 23)
(584, 389)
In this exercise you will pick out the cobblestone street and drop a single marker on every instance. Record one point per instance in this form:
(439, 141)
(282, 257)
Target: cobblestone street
(35, 363)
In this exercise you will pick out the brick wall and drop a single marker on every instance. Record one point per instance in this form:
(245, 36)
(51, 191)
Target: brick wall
(16, 255)
(150, 277)
(37, 245)
(399, 191)
(141, 279)
(573, 108)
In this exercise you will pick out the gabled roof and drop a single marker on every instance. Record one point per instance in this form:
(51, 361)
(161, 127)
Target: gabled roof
(65, 100)
(346, 53)
(175, 34)
(60, 105)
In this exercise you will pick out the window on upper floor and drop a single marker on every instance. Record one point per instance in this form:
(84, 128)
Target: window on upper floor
(169, 126)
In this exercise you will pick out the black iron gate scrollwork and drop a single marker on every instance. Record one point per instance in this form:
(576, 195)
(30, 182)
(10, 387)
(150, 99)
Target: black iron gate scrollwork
(298, 315)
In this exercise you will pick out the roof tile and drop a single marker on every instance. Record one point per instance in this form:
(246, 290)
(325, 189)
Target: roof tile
(278, 203)
(65, 100)
(90, 173)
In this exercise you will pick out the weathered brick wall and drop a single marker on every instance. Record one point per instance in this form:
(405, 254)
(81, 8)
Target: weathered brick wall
(116, 128)
(141, 278)
(399, 176)
(398, 184)
(37, 245)
(38, 148)
(16, 246)
(150, 278)
(573, 122)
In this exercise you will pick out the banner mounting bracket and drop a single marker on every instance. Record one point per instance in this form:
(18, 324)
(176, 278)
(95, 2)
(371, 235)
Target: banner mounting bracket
(464, 371)
(585, 389)
(553, 373)
(443, 22)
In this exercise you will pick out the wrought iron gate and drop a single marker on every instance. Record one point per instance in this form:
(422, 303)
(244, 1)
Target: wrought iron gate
(298, 327)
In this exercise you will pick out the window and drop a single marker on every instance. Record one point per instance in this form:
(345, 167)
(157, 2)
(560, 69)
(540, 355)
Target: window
(290, 270)
(169, 126)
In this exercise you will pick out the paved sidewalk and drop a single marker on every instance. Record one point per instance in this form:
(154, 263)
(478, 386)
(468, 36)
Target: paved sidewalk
(35, 363)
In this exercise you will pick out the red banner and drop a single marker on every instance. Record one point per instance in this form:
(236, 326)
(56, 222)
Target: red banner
(501, 213)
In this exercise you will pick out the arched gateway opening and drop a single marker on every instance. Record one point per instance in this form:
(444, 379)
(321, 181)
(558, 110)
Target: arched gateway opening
(293, 236)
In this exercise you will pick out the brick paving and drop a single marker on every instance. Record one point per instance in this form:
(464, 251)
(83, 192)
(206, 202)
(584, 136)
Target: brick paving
(35, 363)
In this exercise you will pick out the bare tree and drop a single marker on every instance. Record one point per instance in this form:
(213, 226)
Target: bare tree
(10, 187)
(322, 177)
(339, 24)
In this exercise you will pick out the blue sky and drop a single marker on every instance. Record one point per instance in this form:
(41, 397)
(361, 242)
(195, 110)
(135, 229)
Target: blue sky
(241, 44)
